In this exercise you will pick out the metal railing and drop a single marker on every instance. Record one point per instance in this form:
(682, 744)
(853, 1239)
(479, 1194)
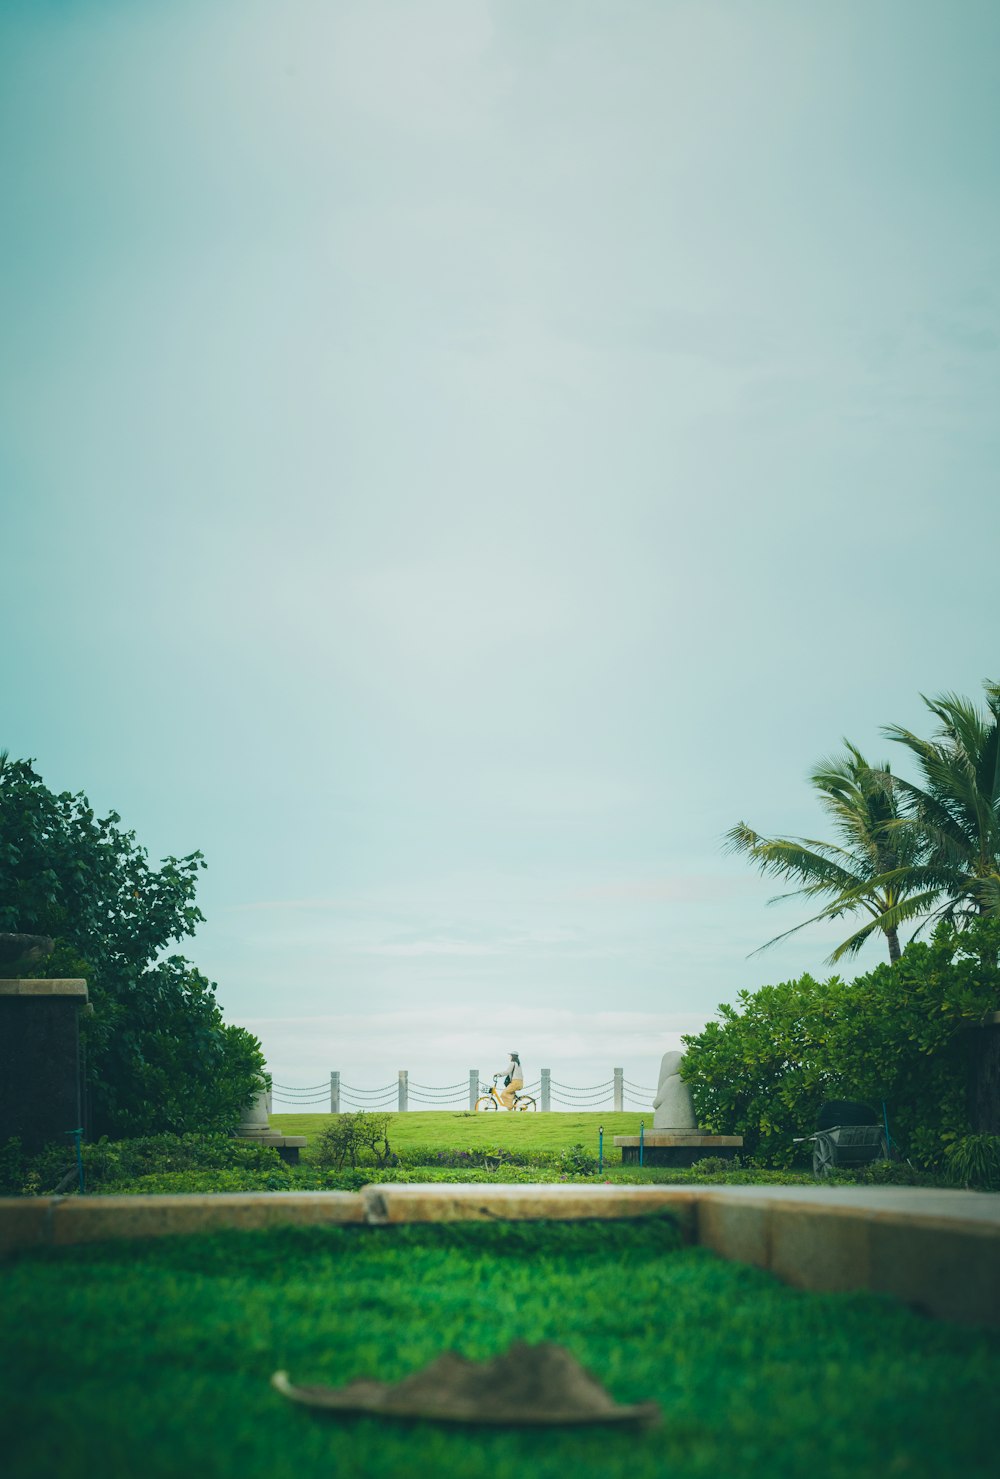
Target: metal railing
(616, 1093)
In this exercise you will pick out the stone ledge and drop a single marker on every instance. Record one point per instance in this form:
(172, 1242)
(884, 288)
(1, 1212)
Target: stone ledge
(695, 1138)
(936, 1250)
(28, 986)
(271, 1137)
(27, 1222)
(676, 1148)
(396, 1203)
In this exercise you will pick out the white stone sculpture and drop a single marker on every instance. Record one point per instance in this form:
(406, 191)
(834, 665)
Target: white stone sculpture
(672, 1107)
(254, 1121)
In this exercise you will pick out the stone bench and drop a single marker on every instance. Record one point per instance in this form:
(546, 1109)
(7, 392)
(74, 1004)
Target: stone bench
(676, 1147)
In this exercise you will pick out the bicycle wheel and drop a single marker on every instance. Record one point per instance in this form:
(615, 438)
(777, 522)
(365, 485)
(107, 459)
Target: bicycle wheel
(486, 1101)
(525, 1101)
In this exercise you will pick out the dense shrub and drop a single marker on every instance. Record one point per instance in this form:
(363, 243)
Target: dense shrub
(119, 1163)
(362, 1136)
(479, 1157)
(898, 1035)
(974, 1160)
(577, 1161)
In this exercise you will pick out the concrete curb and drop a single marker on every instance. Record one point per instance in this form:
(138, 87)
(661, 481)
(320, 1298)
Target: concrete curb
(938, 1251)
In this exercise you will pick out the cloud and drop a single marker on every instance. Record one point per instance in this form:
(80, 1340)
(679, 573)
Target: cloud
(428, 947)
(281, 904)
(682, 888)
(424, 68)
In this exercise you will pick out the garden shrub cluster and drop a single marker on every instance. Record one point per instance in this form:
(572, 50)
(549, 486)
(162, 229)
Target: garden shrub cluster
(898, 1035)
(974, 1161)
(362, 1136)
(578, 1161)
(115, 1164)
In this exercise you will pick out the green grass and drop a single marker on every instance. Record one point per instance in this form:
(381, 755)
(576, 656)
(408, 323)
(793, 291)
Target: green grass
(447, 1130)
(153, 1359)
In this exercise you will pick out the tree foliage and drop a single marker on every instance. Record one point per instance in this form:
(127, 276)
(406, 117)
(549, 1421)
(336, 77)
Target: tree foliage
(159, 1055)
(907, 851)
(955, 810)
(898, 1035)
(849, 874)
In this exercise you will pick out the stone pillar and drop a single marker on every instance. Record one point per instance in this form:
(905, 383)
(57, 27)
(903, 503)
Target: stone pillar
(334, 1091)
(404, 1088)
(546, 1089)
(41, 1089)
(473, 1087)
(619, 1090)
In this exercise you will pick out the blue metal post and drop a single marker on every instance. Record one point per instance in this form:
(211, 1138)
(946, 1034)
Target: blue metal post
(885, 1121)
(642, 1136)
(77, 1135)
(600, 1149)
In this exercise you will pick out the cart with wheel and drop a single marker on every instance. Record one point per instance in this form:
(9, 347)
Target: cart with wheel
(847, 1134)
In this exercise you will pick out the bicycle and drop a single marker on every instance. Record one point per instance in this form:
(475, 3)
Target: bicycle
(490, 1098)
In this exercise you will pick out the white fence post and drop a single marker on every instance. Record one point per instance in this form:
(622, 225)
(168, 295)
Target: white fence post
(619, 1090)
(546, 1089)
(404, 1089)
(473, 1087)
(334, 1092)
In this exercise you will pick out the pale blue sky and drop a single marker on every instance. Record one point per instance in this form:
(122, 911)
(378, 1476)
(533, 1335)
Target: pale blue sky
(459, 458)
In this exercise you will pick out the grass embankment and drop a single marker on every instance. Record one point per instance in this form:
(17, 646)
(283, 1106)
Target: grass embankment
(447, 1130)
(155, 1359)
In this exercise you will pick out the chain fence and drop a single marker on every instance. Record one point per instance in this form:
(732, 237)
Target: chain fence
(615, 1094)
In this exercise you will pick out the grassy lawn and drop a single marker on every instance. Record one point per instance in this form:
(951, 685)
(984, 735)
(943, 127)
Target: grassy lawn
(154, 1359)
(448, 1130)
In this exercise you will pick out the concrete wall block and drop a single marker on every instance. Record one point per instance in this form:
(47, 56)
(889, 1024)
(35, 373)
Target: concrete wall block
(820, 1248)
(739, 1230)
(952, 1273)
(25, 1222)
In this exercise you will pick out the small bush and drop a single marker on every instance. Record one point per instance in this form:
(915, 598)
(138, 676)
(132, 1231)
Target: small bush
(577, 1161)
(974, 1161)
(354, 1137)
(715, 1165)
(171, 1182)
(894, 1173)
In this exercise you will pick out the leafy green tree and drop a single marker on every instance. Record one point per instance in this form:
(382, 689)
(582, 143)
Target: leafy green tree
(159, 1055)
(953, 812)
(865, 872)
(899, 1035)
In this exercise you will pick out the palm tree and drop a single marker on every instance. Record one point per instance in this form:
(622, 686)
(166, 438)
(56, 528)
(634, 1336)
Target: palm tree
(956, 810)
(867, 873)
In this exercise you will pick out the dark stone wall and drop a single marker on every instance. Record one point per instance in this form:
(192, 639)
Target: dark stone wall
(674, 1155)
(39, 1068)
(985, 1087)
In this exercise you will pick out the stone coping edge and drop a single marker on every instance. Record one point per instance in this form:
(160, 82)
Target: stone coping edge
(940, 1255)
(271, 1137)
(30, 986)
(696, 1139)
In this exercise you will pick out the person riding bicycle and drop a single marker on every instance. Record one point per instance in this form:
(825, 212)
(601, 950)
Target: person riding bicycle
(513, 1079)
